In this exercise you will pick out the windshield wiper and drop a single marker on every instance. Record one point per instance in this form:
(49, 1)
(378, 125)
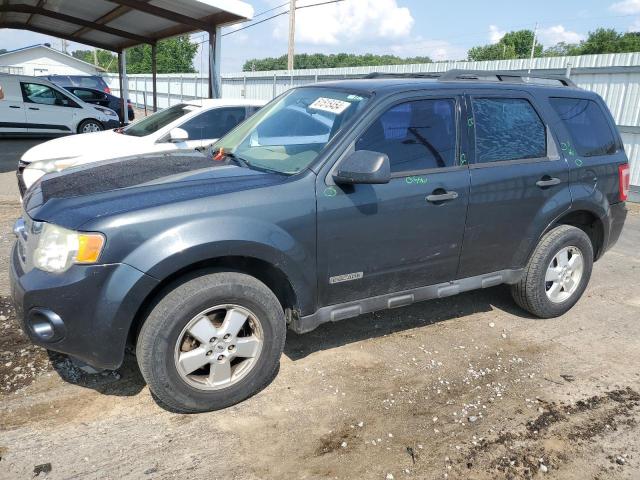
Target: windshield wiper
(238, 160)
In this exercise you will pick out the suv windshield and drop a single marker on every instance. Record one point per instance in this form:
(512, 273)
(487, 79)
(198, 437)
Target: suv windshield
(158, 120)
(289, 133)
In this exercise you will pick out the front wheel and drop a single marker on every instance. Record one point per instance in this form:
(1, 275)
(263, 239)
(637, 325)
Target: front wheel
(557, 273)
(90, 126)
(211, 342)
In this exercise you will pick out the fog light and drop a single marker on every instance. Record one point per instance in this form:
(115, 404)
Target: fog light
(45, 325)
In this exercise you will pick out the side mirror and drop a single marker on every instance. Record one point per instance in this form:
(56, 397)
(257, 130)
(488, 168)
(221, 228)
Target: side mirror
(178, 135)
(364, 167)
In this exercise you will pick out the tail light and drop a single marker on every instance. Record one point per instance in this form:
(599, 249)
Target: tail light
(624, 177)
(107, 90)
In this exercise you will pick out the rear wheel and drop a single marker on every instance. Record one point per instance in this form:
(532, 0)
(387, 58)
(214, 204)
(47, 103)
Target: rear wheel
(557, 273)
(211, 342)
(90, 125)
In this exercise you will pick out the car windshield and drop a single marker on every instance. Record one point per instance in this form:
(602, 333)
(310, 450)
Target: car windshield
(288, 134)
(158, 120)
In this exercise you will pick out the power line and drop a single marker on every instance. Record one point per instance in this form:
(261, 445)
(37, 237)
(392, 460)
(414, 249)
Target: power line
(280, 14)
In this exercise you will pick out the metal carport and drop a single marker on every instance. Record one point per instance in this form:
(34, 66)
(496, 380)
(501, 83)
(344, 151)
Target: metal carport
(119, 24)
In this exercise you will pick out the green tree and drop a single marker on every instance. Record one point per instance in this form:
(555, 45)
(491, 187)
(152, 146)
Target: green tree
(305, 61)
(562, 49)
(175, 55)
(106, 59)
(515, 44)
(609, 41)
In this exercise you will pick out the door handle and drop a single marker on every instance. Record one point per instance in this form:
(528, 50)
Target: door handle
(547, 181)
(441, 197)
(33, 108)
(13, 106)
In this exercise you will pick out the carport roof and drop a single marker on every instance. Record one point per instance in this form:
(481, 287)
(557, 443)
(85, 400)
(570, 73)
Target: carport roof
(118, 24)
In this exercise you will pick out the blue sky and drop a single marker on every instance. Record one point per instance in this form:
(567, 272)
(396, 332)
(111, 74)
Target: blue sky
(439, 29)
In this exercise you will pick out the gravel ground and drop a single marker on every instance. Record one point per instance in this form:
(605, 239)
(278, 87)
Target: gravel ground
(468, 387)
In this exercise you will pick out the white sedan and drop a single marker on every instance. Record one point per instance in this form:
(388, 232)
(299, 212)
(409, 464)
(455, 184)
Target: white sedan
(186, 126)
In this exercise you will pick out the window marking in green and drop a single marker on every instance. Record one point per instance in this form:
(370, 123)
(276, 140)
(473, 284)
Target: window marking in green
(330, 192)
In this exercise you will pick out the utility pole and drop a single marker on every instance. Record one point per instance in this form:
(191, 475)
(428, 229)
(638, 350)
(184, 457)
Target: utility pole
(533, 46)
(292, 33)
(95, 57)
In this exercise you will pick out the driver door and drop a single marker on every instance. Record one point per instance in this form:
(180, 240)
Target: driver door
(379, 239)
(47, 110)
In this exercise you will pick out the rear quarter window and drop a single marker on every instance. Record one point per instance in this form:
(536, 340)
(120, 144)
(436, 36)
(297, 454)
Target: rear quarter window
(587, 124)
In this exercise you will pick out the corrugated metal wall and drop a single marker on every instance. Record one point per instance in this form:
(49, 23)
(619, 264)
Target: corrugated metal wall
(616, 77)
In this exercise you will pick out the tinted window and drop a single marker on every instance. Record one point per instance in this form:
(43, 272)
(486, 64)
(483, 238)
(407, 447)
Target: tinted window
(507, 129)
(87, 94)
(91, 82)
(214, 124)
(414, 135)
(587, 126)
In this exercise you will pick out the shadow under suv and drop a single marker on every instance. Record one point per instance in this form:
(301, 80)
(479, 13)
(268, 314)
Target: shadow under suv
(334, 200)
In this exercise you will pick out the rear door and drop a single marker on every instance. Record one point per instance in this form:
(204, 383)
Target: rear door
(518, 180)
(12, 111)
(47, 109)
(379, 239)
(592, 146)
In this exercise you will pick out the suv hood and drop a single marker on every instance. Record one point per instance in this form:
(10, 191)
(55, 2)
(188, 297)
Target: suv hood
(88, 146)
(79, 194)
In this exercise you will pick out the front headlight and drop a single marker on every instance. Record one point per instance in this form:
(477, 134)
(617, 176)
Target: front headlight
(107, 111)
(48, 166)
(59, 248)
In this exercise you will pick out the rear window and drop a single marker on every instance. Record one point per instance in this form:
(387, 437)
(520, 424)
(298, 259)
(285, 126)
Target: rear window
(587, 125)
(90, 82)
(507, 129)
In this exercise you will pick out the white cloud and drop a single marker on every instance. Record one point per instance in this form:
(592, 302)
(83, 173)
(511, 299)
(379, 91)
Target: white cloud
(435, 49)
(556, 34)
(626, 7)
(635, 26)
(495, 34)
(349, 22)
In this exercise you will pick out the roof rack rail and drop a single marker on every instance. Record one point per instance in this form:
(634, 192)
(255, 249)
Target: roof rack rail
(403, 75)
(495, 75)
(505, 76)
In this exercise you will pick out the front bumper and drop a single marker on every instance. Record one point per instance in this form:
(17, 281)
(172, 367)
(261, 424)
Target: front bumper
(85, 312)
(111, 124)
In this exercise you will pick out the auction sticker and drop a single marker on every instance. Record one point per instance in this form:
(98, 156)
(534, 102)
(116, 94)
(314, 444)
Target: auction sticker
(330, 105)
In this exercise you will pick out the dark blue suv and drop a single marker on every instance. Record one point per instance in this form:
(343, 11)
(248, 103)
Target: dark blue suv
(332, 201)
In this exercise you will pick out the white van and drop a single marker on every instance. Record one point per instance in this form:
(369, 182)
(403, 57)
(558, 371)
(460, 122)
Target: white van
(35, 106)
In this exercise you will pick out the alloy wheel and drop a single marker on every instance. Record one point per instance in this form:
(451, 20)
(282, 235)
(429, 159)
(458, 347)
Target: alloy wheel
(218, 347)
(563, 274)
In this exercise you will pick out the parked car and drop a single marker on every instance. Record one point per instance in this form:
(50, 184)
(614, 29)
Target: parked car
(98, 97)
(90, 81)
(334, 200)
(35, 106)
(186, 126)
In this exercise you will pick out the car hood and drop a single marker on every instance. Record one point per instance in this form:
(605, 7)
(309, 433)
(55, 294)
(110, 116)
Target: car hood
(79, 194)
(86, 147)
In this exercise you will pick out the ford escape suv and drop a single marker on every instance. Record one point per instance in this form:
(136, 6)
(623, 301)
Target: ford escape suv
(332, 201)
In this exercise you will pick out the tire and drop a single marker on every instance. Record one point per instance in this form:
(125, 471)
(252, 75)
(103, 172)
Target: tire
(535, 291)
(90, 125)
(166, 342)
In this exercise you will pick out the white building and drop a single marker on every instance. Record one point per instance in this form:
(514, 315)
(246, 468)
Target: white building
(44, 60)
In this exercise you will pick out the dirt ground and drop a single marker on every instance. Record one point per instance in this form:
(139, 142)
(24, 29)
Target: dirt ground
(468, 387)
